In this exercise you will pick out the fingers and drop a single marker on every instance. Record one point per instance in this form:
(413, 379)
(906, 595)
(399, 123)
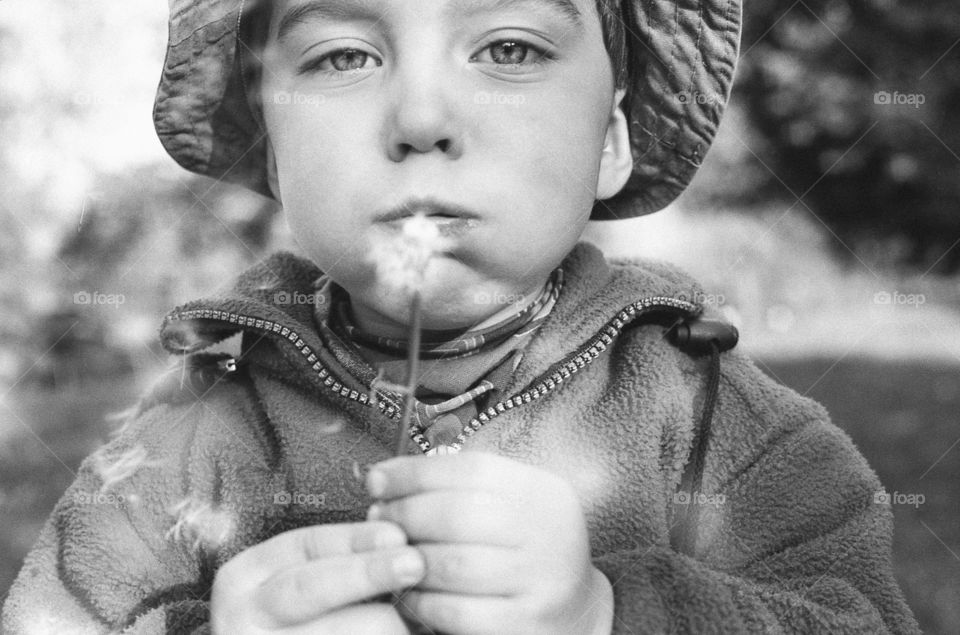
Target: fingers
(363, 619)
(298, 594)
(405, 476)
(473, 569)
(462, 614)
(454, 516)
(297, 546)
(299, 574)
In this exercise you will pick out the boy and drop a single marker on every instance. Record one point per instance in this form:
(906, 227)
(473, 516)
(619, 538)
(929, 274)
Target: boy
(611, 479)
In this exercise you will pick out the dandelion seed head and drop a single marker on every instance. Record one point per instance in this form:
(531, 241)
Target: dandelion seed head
(401, 258)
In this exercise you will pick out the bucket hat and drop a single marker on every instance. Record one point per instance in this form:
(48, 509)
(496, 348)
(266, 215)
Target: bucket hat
(681, 59)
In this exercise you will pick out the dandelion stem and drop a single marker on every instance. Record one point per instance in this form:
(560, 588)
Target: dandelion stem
(413, 374)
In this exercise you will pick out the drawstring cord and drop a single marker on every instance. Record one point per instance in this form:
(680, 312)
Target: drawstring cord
(686, 541)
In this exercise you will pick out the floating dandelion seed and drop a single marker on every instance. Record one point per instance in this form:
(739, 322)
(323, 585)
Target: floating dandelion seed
(200, 524)
(120, 468)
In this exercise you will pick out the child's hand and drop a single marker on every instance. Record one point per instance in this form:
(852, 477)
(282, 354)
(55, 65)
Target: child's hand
(314, 580)
(505, 544)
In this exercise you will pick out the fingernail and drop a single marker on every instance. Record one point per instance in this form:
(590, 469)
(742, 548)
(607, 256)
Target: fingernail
(408, 567)
(376, 483)
(375, 512)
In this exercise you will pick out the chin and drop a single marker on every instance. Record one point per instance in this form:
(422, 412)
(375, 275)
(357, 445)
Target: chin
(441, 314)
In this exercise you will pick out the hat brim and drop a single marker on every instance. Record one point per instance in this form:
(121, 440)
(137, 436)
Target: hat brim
(683, 54)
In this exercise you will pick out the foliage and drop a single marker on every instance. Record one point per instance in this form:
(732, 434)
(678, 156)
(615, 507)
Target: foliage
(854, 107)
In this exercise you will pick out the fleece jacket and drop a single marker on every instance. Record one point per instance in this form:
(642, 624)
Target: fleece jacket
(790, 537)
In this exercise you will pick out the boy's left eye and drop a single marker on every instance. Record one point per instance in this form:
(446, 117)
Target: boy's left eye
(511, 53)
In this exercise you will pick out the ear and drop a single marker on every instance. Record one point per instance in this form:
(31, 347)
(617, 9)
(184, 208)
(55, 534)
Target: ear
(616, 160)
(272, 180)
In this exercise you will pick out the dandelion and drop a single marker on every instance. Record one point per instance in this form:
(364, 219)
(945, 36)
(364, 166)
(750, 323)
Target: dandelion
(401, 262)
(201, 524)
(401, 258)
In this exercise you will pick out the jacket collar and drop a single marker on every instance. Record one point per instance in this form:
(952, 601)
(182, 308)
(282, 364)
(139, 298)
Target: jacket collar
(273, 304)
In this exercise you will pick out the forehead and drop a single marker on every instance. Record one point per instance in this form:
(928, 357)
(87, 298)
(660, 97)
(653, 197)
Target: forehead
(288, 14)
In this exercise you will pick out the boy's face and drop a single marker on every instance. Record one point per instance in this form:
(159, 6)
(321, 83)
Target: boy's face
(498, 117)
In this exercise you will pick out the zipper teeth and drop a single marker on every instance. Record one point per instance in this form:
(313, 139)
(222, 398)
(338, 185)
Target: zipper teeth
(383, 403)
(576, 362)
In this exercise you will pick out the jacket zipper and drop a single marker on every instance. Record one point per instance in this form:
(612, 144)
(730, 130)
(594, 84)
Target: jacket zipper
(388, 404)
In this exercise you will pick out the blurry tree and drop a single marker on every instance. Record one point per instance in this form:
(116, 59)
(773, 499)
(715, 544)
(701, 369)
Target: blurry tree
(853, 106)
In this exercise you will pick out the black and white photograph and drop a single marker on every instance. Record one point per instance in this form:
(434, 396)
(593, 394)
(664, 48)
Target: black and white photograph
(479, 317)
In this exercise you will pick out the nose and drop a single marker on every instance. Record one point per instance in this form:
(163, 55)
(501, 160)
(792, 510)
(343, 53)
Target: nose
(421, 114)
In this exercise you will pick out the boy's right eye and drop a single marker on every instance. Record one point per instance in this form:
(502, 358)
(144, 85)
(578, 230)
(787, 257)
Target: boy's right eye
(342, 61)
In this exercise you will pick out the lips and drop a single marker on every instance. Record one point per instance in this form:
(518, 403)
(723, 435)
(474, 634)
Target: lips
(447, 216)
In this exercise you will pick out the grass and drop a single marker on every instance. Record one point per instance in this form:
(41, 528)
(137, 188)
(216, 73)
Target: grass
(901, 415)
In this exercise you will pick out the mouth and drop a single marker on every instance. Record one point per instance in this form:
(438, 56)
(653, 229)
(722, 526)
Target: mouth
(448, 217)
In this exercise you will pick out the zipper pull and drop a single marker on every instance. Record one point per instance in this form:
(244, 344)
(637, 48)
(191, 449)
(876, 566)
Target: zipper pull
(694, 336)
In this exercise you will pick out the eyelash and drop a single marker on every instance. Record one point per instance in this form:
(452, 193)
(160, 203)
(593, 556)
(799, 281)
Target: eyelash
(543, 56)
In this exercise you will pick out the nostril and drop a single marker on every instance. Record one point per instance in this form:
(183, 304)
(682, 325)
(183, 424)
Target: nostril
(444, 145)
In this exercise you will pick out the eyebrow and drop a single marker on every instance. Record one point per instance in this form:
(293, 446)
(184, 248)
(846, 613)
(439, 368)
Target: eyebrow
(343, 10)
(566, 8)
(333, 10)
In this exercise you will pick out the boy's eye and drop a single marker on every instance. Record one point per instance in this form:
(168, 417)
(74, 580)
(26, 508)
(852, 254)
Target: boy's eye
(511, 53)
(349, 60)
(343, 61)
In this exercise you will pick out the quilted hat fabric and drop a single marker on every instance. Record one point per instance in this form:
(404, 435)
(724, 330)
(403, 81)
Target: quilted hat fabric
(682, 56)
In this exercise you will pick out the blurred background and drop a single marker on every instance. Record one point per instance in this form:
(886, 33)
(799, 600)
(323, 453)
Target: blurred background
(825, 224)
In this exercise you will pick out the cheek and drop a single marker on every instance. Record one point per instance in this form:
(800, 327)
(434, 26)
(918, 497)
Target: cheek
(319, 149)
(554, 140)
